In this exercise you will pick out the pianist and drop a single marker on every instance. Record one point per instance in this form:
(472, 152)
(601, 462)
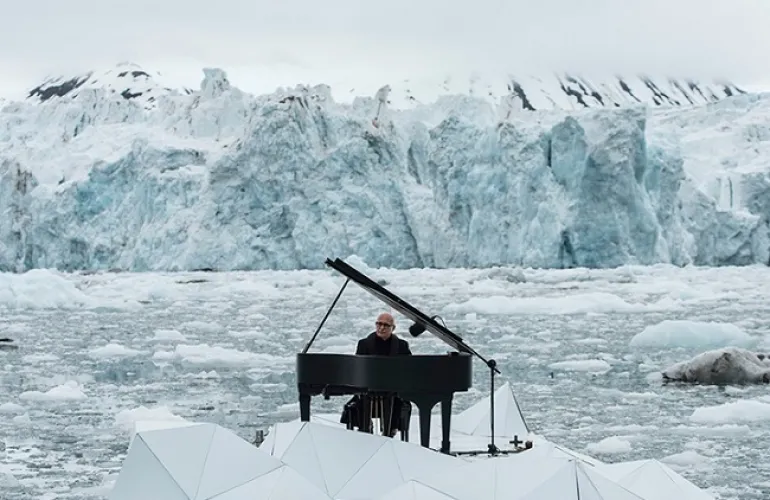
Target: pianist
(381, 342)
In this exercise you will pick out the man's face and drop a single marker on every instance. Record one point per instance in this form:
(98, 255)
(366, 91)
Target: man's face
(384, 324)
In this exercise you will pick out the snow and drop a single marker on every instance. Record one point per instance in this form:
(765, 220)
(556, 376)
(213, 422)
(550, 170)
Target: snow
(126, 79)
(546, 91)
(224, 180)
(517, 92)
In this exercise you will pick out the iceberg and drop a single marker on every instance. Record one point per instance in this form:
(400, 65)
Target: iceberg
(218, 179)
(730, 365)
(692, 334)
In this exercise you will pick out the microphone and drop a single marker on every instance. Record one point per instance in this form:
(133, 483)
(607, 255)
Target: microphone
(416, 329)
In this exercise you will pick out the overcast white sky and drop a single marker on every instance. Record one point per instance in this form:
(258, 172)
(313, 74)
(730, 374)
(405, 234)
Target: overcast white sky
(262, 43)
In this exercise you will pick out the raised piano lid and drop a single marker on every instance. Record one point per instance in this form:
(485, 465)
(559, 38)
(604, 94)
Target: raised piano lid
(402, 306)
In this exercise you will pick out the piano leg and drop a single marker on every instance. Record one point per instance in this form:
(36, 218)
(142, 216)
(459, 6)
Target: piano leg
(425, 424)
(366, 424)
(446, 421)
(425, 404)
(304, 407)
(386, 415)
(405, 420)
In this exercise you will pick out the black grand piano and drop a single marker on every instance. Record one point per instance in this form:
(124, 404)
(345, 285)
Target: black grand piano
(423, 380)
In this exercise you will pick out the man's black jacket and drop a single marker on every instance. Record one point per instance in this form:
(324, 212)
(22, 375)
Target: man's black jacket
(368, 346)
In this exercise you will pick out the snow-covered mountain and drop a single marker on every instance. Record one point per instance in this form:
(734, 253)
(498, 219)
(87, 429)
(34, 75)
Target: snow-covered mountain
(565, 91)
(128, 80)
(222, 179)
(519, 92)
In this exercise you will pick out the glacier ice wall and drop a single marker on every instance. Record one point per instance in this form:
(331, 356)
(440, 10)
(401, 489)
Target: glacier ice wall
(223, 180)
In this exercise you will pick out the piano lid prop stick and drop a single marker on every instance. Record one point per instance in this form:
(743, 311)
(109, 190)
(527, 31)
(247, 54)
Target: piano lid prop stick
(312, 339)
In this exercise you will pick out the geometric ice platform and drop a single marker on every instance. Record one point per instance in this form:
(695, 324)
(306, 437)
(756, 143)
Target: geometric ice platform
(205, 461)
(516, 477)
(350, 464)
(321, 459)
(509, 421)
(654, 480)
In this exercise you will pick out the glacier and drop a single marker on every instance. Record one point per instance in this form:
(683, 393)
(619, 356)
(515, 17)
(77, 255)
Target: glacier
(219, 179)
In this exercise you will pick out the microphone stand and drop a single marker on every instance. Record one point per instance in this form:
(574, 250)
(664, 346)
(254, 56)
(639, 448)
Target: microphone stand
(491, 448)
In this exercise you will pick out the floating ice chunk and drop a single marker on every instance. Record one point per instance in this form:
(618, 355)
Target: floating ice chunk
(168, 335)
(39, 358)
(11, 408)
(69, 391)
(359, 263)
(205, 356)
(610, 445)
(113, 351)
(202, 326)
(687, 333)
(731, 365)
(582, 365)
(596, 302)
(744, 411)
(7, 480)
(22, 420)
(143, 419)
(50, 289)
(685, 459)
(40, 288)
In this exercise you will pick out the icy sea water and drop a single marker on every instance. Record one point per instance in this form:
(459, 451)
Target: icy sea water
(99, 351)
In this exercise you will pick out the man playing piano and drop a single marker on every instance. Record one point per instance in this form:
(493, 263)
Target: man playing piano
(381, 342)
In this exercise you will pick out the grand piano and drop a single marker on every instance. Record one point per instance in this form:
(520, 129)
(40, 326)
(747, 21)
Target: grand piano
(424, 380)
